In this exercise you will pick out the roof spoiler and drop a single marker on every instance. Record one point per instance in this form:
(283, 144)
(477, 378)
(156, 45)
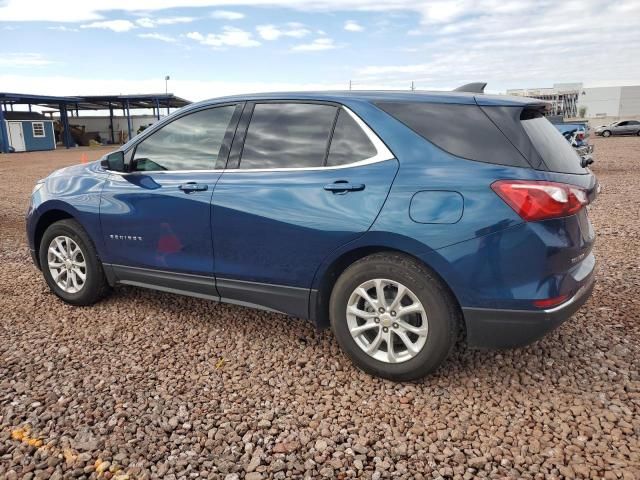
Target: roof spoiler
(475, 87)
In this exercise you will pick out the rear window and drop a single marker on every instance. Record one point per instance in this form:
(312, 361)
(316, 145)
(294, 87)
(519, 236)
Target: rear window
(556, 152)
(462, 130)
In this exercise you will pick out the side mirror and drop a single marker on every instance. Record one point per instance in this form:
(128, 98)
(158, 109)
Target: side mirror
(114, 161)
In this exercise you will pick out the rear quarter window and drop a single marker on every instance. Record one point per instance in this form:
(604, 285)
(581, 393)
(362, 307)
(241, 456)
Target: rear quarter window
(349, 143)
(462, 130)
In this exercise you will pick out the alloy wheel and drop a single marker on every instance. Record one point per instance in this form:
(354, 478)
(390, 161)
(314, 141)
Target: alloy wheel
(67, 264)
(387, 320)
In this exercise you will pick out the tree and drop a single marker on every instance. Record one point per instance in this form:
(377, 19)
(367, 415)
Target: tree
(582, 111)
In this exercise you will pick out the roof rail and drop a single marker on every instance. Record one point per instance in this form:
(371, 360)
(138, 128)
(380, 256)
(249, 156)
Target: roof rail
(475, 87)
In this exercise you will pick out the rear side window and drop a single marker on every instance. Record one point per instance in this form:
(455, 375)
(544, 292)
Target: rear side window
(287, 135)
(556, 152)
(462, 130)
(349, 143)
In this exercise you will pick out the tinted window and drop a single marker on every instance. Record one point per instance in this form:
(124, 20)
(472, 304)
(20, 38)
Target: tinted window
(556, 152)
(462, 130)
(349, 143)
(633, 122)
(191, 142)
(285, 135)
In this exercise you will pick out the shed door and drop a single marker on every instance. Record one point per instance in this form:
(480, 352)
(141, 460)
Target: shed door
(16, 139)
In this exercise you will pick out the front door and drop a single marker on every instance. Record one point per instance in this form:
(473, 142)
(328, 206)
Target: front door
(16, 138)
(302, 189)
(156, 219)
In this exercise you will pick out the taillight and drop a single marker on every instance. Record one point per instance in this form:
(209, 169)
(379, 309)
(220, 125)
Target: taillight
(539, 200)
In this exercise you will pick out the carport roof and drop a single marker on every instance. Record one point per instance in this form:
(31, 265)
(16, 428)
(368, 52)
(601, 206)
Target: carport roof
(95, 102)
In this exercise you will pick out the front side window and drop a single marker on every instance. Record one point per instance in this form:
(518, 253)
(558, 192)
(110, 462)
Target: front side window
(38, 129)
(349, 143)
(287, 135)
(192, 142)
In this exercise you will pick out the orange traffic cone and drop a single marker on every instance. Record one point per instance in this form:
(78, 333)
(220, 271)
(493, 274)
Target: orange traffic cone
(84, 158)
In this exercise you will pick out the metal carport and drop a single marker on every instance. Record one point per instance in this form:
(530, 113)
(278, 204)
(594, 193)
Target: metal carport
(64, 105)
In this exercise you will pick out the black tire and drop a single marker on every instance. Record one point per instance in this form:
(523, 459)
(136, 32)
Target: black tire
(95, 286)
(442, 313)
(606, 133)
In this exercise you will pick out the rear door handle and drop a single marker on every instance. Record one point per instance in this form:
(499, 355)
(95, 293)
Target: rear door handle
(342, 186)
(193, 187)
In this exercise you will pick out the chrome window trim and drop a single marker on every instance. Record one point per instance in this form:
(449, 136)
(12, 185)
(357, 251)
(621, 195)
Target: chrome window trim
(383, 154)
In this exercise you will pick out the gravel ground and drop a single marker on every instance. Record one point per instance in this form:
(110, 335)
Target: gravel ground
(151, 385)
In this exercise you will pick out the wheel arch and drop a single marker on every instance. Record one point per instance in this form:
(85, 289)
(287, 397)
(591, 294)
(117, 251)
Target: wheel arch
(45, 220)
(327, 277)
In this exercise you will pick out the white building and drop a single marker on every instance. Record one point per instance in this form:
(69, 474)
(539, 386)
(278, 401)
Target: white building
(569, 99)
(616, 102)
(563, 97)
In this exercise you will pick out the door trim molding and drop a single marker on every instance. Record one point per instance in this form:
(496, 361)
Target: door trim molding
(264, 296)
(279, 298)
(181, 283)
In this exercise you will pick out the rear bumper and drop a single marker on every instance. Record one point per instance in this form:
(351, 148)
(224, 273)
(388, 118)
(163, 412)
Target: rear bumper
(494, 328)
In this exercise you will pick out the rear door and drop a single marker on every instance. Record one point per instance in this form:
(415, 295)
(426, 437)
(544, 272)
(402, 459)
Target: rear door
(633, 127)
(291, 195)
(621, 128)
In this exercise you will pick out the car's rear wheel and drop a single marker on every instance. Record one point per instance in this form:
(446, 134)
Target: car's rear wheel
(70, 264)
(606, 133)
(393, 317)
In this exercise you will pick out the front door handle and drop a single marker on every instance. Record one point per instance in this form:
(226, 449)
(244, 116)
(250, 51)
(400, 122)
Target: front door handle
(190, 187)
(342, 186)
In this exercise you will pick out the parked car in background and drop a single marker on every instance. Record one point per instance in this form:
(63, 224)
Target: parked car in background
(402, 220)
(576, 133)
(624, 127)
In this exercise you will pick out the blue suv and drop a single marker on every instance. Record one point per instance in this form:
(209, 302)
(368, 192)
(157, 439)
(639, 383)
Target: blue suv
(403, 220)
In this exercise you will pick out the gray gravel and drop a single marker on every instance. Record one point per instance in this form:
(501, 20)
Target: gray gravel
(148, 385)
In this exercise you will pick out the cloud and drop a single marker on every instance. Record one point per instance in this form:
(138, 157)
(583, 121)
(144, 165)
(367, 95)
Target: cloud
(82, 10)
(115, 25)
(154, 22)
(291, 29)
(230, 37)
(62, 28)
(352, 26)
(227, 15)
(317, 45)
(158, 36)
(23, 60)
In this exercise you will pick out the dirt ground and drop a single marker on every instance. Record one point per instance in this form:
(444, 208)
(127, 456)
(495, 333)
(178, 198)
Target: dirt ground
(152, 385)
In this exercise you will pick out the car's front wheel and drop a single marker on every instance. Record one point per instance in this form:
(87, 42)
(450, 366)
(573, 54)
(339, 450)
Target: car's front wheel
(606, 133)
(393, 317)
(70, 264)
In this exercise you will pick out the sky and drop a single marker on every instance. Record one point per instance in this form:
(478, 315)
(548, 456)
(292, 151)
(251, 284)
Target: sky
(211, 48)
